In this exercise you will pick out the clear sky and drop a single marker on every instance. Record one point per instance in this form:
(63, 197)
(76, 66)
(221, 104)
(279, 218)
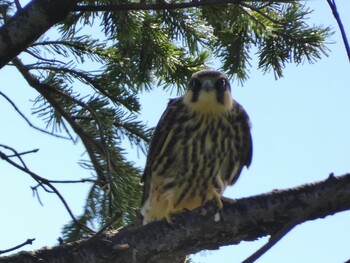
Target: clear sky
(300, 129)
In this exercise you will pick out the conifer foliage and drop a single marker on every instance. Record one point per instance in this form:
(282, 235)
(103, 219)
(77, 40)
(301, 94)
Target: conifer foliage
(89, 69)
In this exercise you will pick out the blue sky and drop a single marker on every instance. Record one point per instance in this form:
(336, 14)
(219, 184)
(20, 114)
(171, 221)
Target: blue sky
(300, 129)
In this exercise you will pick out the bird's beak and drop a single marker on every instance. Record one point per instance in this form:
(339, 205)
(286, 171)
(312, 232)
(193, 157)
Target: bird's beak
(207, 85)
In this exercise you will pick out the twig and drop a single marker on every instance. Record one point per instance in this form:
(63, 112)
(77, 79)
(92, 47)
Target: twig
(23, 153)
(36, 194)
(43, 59)
(273, 240)
(291, 224)
(14, 154)
(29, 241)
(27, 120)
(336, 15)
(90, 144)
(42, 181)
(73, 181)
(40, 184)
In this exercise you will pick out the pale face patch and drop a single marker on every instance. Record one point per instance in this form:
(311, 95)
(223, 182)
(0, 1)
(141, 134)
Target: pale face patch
(207, 102)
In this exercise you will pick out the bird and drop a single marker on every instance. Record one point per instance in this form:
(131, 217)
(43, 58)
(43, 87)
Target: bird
(199, 147)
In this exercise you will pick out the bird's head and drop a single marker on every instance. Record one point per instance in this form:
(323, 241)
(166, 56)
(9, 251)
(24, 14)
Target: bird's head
(209, 91)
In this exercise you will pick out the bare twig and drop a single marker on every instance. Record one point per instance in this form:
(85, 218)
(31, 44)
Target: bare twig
(72, 181)
(34, 188)
(27, 120)
(29, 241)
(43, 182)
(36, 194)
(15, 154)
(273, 240)
(336, 15)
(292, 223)
(23, 153)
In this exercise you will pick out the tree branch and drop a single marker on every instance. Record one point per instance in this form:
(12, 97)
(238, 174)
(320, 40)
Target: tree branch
(29, 241)
(28, 24)
(336, 15)
(91, 145)
(161, 6)
(28, 121)
(245, 219)
(41, 182)
(291, 224)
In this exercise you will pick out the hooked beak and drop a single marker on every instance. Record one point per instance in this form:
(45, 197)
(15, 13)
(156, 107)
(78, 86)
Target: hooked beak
(207, 85)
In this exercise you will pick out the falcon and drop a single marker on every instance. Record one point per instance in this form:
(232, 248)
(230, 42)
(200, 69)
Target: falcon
(199, 147)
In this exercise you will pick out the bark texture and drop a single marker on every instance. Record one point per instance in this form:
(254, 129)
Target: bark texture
(242, 220)
(28, 24)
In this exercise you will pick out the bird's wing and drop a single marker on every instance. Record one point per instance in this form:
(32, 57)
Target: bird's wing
(159, 137)
(245, 151)
(247, 138)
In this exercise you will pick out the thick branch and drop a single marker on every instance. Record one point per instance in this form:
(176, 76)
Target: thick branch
(243, 220)
(28, 24)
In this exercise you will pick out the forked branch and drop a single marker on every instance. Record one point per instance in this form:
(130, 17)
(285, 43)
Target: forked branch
(43, 182)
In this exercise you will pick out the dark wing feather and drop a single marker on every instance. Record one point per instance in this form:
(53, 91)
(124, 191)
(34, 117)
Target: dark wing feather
(159, 136)
(240, 117)
(247, 139)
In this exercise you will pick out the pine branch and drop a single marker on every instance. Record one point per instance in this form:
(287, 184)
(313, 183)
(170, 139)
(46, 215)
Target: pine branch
(48, 93)
(94, 121)
(245, 219)
(28, 121)
(162, 6)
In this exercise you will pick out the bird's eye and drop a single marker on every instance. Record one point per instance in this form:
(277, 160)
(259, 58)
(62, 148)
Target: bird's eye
(195, 84)
(221, 85)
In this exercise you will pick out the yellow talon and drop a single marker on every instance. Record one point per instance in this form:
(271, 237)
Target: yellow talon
(217, 198)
